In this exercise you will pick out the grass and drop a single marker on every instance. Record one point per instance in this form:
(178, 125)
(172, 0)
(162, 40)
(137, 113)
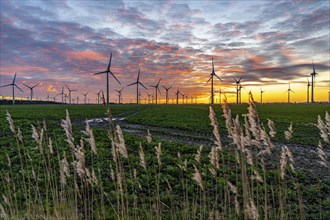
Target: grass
(108, 183)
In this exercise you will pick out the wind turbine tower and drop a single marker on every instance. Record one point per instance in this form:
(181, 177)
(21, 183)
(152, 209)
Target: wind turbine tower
(70, 90)
(119, 95)
(211, 78)
(261, 92)
(308, 85)
(157, 90)
(313, 82)
(31, 89)
(13, 84)
(288, 91)
(108, 71)
(167, 92)
(137, 87)
(238, 84)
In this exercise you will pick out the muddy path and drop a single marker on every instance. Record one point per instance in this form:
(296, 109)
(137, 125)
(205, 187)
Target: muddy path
(306, 157)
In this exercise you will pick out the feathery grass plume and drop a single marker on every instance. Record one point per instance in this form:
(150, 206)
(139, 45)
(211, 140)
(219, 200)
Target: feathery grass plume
(232, 188)
(3, 213)
(283, 162)
(198, 155)
(249, 157)
(321, 154)
(67, 126)
(112, 173)
(19, 134)
(323, 129)
(38, 138)
(114, 152)
(50, 146)
(179, 155)
(253, 118)
(185, 165)
(44, 125)
(252, 210)
(94, 178)
(80, 162)
(237, 157)
(256, 176)
(121, 146)
(91, 140)
(148, 136)
(327, 120)
(266, 139)
(215, 126)
(288, 133)
(9, 161)
(64, 170)
(142, 158)
(11, 122)
(198, 178)
(247, 137)
(214, 157)
(236, 134)
(271, 126)
(227, 115)
(120, 182)
(5, 199)
(159, 152)
(289, 154)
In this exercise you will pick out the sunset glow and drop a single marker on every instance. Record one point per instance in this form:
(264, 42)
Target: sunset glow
(269, 43)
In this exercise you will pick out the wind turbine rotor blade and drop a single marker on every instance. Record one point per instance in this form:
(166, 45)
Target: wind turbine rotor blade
(26, 85)
(159, 90)
(164, 87)
(158, 82)
(109, 62)
(132, 83)
(115, 77)
(218, 77)
(18, 88)
(240, 79)
(35, 85)
(7, 85)
(100, 72)
(138, 77)
(143, 85)
(209, 79)
(14, 78)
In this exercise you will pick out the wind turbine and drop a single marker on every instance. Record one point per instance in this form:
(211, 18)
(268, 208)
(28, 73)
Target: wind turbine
(31, 89)
(220, 93)
(62, 93)
(167, 92)
(308, 85)
(238, 85)
(182, 97)
(288, 91)
(261, 91)
(137, 87)
(70, 90)
(107, 71)
(85, 95)
(313, 81)
(157, 90)
(98, 96)
(177, 96)
(119, 94)
(211, 78)
(13, 84)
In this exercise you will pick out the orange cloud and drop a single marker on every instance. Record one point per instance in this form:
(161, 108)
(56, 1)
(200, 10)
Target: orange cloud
(51, 89)
(81, 55)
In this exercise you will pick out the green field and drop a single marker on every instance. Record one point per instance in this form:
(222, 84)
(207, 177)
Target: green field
(31, 181)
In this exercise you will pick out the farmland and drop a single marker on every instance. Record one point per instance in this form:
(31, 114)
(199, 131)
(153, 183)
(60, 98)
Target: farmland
(165, 185)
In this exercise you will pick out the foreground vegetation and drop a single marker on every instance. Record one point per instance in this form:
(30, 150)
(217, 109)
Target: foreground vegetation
(63, 172)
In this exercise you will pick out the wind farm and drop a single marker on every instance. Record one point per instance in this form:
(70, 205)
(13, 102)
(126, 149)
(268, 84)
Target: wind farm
(164, 109)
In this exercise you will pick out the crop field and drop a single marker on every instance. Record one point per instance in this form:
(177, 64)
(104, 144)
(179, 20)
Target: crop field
(165, 161)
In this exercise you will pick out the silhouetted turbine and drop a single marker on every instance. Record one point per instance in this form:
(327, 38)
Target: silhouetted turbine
(61, 93)
(261, 92)
(85, 95)
(70, 90)
(308, 85)
(313, 82)
(167, 92)
(107, 71)
(137, 87)
(237, 87)
(13, 84)
(288, 91)
(177, 96)
(211, 78)
(157, 90)
(31, 89)
(119, 94)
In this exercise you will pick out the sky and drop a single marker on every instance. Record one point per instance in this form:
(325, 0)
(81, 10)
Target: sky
(269, 43)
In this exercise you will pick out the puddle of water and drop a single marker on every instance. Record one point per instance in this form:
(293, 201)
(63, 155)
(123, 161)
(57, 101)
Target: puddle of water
(100, 120)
